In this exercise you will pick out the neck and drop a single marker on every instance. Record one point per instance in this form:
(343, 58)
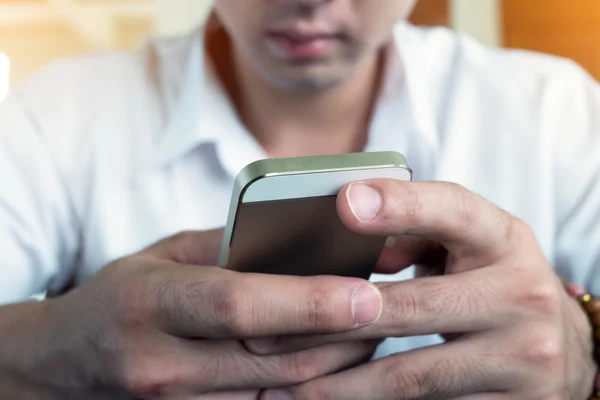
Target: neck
(290, 123)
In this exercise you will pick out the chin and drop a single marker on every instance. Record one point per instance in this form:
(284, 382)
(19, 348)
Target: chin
(306, 81)
(307, 85)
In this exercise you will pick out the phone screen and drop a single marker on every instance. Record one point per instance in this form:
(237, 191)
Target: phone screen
(300, 237)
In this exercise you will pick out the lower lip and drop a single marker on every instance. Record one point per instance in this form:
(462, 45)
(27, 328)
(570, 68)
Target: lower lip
(309, 49)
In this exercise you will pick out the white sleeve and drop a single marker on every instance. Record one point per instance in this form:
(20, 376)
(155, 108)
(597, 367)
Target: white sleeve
(38, 235)
(571, 112)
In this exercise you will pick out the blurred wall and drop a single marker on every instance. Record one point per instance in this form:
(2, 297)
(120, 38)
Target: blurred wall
(179, 16)
(478, 18)
(35, 32)
(481, 19)
(558, 27)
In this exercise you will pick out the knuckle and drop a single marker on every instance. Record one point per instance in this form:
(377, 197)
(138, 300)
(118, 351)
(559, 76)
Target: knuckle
(518, 233)
(545, 348)
(465, 206)
(413, 206)
(301, 367)
(317, 311)
(131, 296)
(422, 301)
(181, 237)
(405, 382)
(394, 379)
(322, 392)
(406, 199)
(402, 308)
(456, 187)
(148, 380)
(520, 228)
(180, 245)
(179, 300)
(233, 310)
(544, 299)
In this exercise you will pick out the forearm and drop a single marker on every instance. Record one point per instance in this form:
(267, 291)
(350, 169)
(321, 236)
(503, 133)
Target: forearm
(41, 357)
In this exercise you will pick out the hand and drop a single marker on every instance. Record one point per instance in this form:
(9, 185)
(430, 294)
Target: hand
(514, 332)
(156, 326)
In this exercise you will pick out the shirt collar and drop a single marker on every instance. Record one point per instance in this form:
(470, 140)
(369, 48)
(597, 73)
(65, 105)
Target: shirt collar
(196, 107)
(198, 110)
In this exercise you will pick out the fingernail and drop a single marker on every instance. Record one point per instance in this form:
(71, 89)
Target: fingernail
(278, 395)
(262, 344)
(366, 305)
(364, 201)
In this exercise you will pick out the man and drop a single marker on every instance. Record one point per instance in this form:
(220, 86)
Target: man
(103, 156)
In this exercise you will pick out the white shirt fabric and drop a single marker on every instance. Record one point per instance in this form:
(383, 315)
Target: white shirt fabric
(103, 155)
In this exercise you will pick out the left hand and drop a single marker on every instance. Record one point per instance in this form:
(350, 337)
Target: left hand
(513, 331)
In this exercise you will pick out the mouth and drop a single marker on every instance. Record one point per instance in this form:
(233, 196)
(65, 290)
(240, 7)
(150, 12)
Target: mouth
(304, 45)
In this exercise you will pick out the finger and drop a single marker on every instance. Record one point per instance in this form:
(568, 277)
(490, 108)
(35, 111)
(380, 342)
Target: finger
(462, 221)
(193, 247)
(486, 396)
(440, 372)
(405, 251)
(245, 395)
(455, 304)
(206, 367)
(187, 301)
(293, 368)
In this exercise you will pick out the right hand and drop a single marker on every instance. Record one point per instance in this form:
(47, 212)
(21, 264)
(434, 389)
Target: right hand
(156, 325)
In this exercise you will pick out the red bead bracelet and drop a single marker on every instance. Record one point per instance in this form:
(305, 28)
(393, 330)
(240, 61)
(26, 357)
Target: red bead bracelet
(591, 305)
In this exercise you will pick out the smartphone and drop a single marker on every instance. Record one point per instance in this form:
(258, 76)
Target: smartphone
(283, 217)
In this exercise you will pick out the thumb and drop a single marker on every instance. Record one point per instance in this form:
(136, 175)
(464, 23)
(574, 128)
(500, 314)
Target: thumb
(190, 247)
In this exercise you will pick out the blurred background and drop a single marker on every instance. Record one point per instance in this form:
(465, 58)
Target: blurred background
(34, 32)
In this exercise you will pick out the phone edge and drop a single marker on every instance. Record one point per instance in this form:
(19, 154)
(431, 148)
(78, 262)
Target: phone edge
(300, 165)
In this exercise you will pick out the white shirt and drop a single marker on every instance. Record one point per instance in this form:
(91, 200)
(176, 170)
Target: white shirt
(104, 155)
